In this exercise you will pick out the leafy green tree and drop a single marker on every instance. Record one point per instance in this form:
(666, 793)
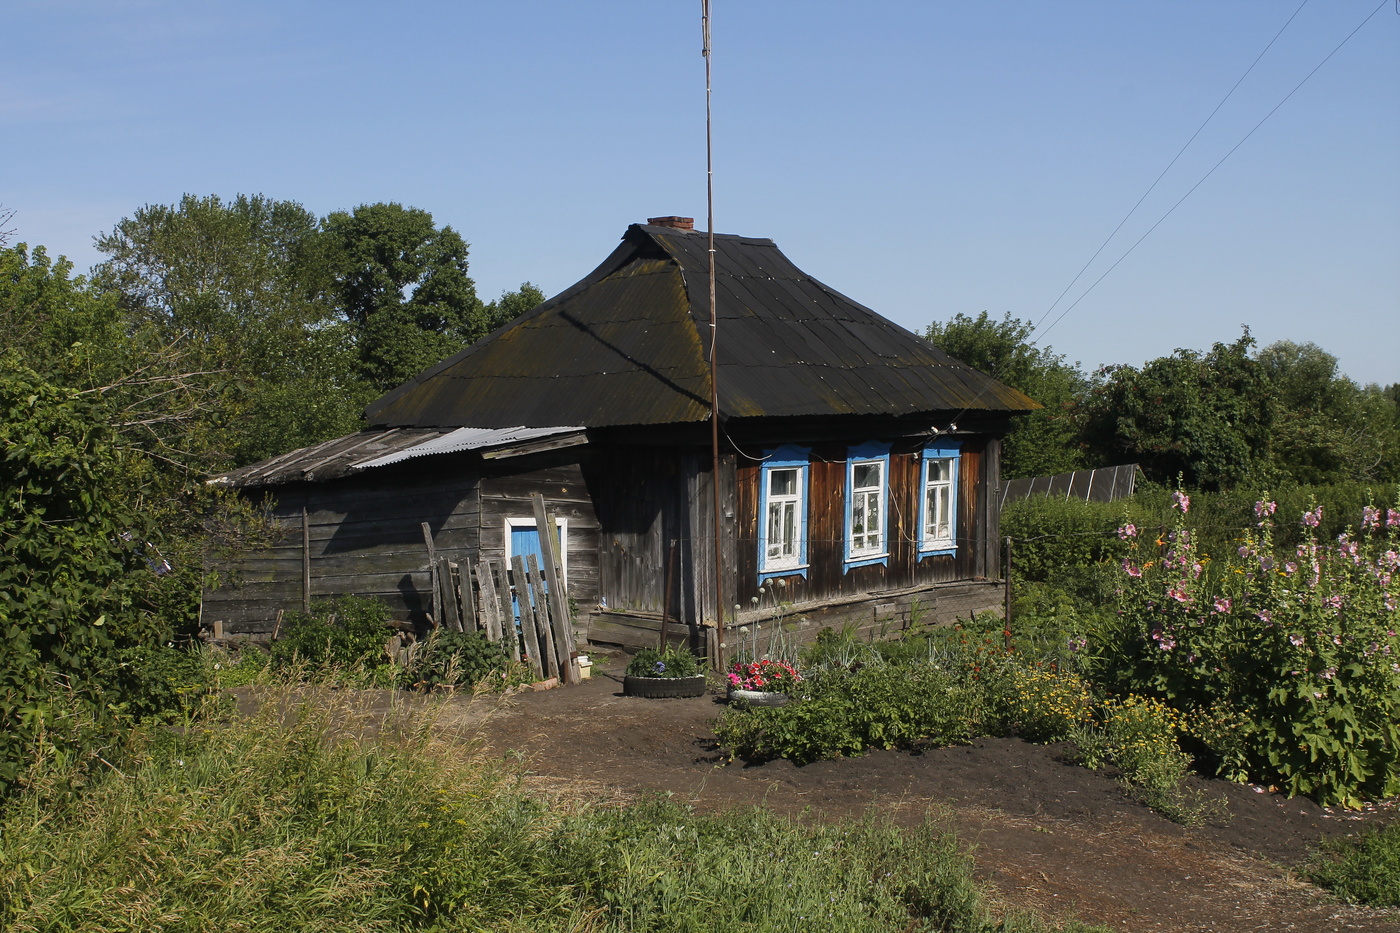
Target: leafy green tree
(402, 284)
(1042, 442)
(513, 304)
(1207, 418)
(239, 287)
(1328, 429)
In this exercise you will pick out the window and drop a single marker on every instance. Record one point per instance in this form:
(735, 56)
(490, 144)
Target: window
(867, 495)
(938, 506)
(782, 533)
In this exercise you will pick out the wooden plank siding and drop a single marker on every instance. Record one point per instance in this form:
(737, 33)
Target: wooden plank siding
(827, 576)
(365, 536)
(559, 478)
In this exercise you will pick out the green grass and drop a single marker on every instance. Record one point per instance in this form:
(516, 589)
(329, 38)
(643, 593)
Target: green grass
(1364, 870)
(314, 815)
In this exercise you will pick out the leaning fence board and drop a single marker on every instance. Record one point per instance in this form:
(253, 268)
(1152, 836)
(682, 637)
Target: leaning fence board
(509, 630)
(535, 580)
(491, 608)
(527, 613)
(561, 622)
(465, 598)
(436, 614)
(447, 583)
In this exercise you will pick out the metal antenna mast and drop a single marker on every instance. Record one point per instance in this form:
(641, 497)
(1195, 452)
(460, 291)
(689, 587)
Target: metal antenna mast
(714, 346)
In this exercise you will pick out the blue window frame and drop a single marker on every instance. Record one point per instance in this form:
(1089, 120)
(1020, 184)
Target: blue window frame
(938, 499)
(867, 505)
(782, 512)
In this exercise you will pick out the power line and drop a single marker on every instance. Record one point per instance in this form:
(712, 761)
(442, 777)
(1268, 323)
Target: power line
(1152, 187)
(1036, 329)
(1217, 165)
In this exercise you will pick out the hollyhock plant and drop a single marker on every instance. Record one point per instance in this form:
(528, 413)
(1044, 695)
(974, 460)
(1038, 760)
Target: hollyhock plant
(1306, 660)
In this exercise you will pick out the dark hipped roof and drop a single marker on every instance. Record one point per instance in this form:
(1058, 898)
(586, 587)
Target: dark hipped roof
(627, 346)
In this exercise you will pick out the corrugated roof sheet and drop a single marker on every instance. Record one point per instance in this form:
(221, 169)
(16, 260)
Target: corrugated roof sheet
(376, 448)
(627, 346)
(465, 439)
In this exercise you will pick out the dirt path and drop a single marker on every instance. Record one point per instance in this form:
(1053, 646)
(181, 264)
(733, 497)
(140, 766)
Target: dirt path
(1048, 835)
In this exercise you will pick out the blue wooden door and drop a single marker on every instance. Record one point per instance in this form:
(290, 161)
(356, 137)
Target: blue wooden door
(524, 541)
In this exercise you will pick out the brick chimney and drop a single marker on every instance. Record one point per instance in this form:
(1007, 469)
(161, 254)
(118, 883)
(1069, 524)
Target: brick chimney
(680, 223)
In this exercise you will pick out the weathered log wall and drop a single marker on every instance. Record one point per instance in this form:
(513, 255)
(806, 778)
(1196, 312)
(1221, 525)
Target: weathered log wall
(364, 536)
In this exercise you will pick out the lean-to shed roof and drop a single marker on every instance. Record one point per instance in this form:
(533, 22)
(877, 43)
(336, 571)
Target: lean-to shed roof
(627, 345)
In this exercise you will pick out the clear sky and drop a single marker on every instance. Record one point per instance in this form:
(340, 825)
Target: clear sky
(925, 158)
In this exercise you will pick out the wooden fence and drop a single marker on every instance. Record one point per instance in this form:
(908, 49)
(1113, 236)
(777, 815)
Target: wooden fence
(519, 604)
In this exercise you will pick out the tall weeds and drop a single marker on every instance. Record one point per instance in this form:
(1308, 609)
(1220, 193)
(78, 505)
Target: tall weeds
(315, 814)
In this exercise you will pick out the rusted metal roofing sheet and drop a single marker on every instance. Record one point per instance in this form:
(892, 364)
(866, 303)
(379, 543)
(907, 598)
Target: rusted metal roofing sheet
(628, 345)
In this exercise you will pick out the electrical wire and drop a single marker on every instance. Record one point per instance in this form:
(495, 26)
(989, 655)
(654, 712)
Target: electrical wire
(1036, 329)
(1217, 165)
(1152, 187)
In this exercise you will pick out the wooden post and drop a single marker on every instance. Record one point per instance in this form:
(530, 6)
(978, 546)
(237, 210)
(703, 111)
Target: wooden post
(436, 616)
(561, 620)
(527, 613)
(305, 561)
(276, 626)
(666, 604)
(1007, 628)
(549, 652)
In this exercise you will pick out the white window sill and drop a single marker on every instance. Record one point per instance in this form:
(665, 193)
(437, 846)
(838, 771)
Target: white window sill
(784, 568)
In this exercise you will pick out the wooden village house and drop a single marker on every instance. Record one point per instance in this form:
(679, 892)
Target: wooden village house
(858, 477)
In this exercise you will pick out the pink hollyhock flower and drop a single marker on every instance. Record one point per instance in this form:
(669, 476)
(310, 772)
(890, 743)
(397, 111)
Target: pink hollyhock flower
(1314, 518)
(1295, 640)
(1131, 569)
(1222, 604)
(1126, 531)
(1370, 517)
(1181, 500)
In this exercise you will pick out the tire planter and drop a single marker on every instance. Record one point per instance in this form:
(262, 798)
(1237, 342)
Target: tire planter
(757, 697)
(664, 687)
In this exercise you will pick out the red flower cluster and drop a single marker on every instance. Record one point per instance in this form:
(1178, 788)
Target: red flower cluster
(774, 676)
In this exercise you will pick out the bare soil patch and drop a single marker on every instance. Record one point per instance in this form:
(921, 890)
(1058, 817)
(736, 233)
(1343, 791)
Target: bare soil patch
(1047, 835)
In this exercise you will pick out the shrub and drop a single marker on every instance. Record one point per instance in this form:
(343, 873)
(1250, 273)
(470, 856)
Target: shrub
(878, 706)
(162, 682)
(668, 662)
(1365, 870)
(455, 659)
(1139, 736)
(1047, 703)
(347, 633)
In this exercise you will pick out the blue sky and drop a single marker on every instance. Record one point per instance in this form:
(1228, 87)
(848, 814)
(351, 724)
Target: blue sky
(925, 158)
